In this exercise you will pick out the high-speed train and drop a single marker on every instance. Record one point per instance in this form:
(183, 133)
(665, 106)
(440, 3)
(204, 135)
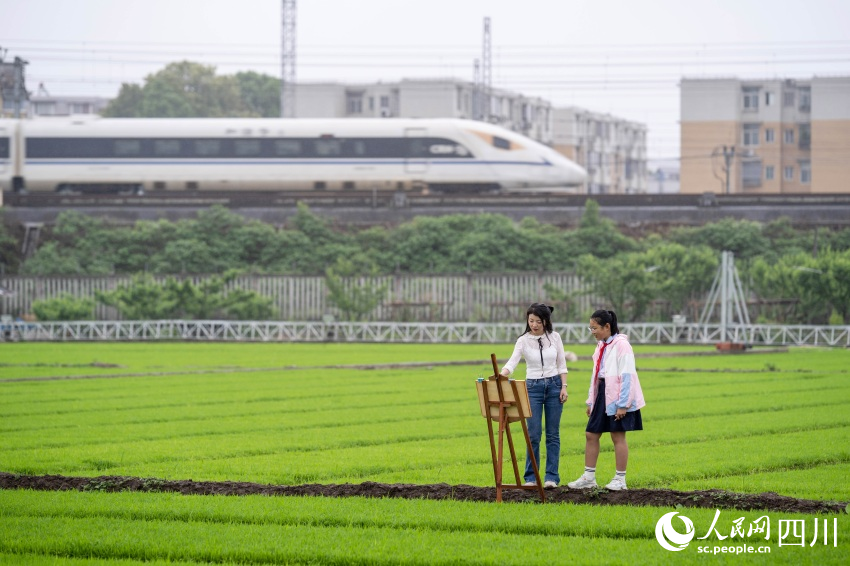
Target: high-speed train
(94, 154)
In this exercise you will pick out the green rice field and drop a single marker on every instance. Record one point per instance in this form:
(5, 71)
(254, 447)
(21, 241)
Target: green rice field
(279, 414)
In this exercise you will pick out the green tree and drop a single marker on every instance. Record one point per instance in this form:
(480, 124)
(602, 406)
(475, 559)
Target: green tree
(181, 90)
(142, 299)
(742, 237)
(622, 281)
(818, 285)
(50, 259)
(213, 298)
(597, 236)
(352, 290)
(10, 257)
(260, 94)
(64, 307)
(680, 274)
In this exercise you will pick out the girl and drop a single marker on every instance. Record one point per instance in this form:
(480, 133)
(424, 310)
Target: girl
(613, 402)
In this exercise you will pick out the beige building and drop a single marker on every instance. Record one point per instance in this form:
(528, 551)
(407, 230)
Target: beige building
(776, 136)
(612, 150)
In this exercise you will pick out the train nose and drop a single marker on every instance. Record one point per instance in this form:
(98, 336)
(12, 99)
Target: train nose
(567, 172)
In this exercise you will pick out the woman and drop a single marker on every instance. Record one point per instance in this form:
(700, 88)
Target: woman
(613, 402)
(546, 381)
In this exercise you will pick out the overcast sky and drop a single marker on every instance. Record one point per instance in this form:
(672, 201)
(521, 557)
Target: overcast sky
(621, 57)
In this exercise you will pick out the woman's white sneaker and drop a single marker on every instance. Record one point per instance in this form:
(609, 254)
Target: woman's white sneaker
(550, 484)
(616, 484)
(583, 482)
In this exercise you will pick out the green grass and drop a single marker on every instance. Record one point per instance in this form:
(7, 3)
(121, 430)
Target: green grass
(254, 529)
(749, 423)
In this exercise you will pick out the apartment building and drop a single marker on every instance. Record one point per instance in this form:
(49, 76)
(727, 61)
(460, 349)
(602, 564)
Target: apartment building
(612, 150)
(46, 105)
(765, 136)
(423, 98)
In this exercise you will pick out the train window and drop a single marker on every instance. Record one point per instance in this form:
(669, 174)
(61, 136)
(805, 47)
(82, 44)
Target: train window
(356, 148)
(328, 147)
(4, 148)
(127, 148)
(248, 148)
(287, 148)
(419, 148)
(501, 143)
(384, 147)
(207, 148)
(166, 148)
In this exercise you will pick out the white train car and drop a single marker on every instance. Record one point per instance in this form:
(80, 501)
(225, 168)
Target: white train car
(145, 154)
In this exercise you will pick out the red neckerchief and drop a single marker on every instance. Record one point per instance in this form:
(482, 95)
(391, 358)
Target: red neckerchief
(599, 360)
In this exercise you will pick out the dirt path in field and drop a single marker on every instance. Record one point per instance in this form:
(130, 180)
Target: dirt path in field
(713, 499)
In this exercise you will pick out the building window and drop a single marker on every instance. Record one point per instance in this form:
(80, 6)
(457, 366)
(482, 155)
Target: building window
(354, 103)
(805, 172)
(751, 134)
(788, 98)
(385, 102)
(805, 136)
(371, 103)
(768, 99)
(751, 99)
(769, 135)
(788, 173)
(805, 100)
(788, 136)
(751, 173)
(768, 172)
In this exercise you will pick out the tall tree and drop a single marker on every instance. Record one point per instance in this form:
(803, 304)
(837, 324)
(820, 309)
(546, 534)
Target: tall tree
(191, 90)
(260, 93)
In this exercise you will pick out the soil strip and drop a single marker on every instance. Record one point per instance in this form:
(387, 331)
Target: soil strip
(712, 499)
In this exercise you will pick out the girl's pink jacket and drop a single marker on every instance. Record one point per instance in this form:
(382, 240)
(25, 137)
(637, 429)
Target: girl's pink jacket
(622, 387)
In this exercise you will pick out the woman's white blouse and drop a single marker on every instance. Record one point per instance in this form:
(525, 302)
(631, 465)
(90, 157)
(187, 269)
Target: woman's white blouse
(530, 348)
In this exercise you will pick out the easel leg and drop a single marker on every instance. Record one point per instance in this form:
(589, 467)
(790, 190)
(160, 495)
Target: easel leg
(502, 423)
(513, 453)
(492, 449)
(533, 461)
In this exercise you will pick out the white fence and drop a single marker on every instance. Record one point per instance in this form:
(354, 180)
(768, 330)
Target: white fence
(409, 298)
(390, 332)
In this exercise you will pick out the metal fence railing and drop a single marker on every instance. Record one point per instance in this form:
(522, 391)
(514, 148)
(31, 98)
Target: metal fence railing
(420, 332)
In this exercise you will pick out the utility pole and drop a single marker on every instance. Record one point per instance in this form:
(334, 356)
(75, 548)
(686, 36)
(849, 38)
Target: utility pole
(728, 155)
(20, 87)
(287, 60)
(486, 71)
(476, 90)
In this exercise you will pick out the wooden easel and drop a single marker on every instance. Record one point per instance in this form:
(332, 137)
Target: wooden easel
(505, 401)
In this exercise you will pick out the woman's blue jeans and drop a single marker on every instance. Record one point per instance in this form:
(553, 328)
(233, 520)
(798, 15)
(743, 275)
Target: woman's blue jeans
(544, 397)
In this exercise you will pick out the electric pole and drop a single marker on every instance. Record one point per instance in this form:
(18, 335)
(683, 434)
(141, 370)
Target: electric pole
(287, 60)
(486, 71)
(728, 155)
(476, 90)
